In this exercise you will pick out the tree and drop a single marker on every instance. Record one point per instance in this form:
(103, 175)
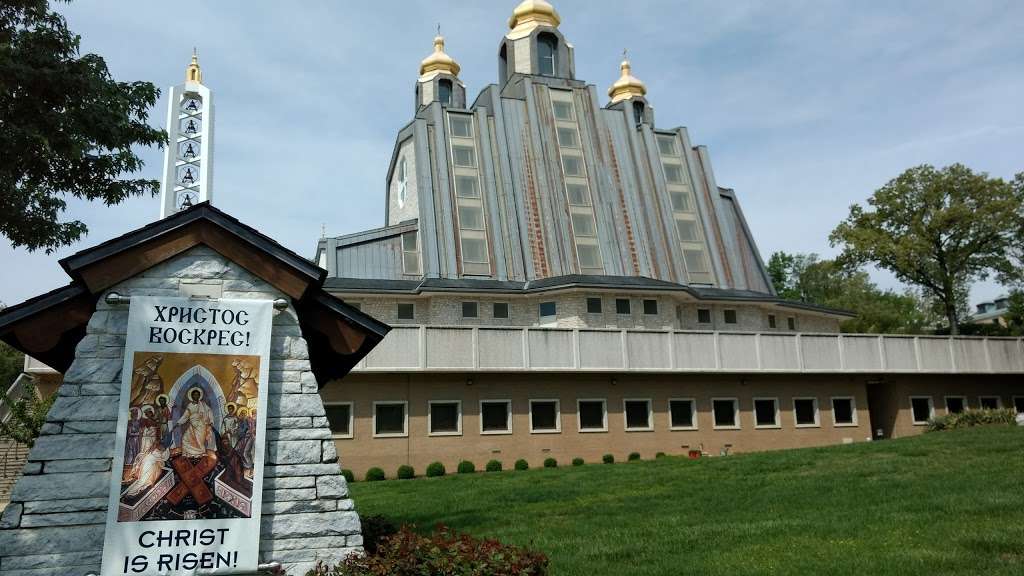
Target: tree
(68, 128)
(807, 278)
(939, 230)
(27, 414)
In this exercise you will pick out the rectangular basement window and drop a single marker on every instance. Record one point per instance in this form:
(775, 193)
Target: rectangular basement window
(444, 418)
(547, 310)
(955, 404)
(390, 419)
(729, 316)
(495, 416)
(592, 415)
(726, 412)
(682, 413)
(989, 402)
(766, 413)
(544, 417)
(844, 412)
(622, 305)
(593, 305)
(703, 316)
(469, 310)
(805, 412)
(651, 307)
(771, 320)
(406, 311)
(791, 323)
(920, 409)
(638, 414)
(500, 310)
(1018, 404)
(339, 417)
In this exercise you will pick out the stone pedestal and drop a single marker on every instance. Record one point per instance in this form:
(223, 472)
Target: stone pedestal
(54, 524)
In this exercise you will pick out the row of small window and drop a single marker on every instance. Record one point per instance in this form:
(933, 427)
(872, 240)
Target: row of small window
(444, 417)
(922, 408)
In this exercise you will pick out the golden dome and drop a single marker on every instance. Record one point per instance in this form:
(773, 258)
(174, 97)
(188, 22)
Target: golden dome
(193, 73)
(439, 61)
(532, 13)
(627, 86)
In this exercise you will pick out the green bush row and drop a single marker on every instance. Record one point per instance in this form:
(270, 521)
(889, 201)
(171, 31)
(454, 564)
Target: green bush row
(973, 417)
(435, 469)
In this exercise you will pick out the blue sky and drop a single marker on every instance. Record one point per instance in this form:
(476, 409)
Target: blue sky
(806, 106)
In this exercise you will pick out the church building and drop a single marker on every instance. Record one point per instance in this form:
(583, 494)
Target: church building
(566, 278)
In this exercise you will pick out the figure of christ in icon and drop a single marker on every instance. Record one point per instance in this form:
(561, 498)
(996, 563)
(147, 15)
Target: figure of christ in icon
(191, 437)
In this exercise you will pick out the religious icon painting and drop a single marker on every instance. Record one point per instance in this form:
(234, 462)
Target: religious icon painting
(191, 437)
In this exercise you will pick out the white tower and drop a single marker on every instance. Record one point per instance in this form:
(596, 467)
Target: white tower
(188, 167)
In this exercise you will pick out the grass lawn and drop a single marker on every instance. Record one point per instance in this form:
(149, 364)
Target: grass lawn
(942, 503)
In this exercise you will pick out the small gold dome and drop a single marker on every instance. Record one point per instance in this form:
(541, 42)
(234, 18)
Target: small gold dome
(532, 13)
(627, 86)
(193, 73)
(439, 61)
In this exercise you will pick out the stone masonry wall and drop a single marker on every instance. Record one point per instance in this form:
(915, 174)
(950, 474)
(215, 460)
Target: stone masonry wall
(55, 522)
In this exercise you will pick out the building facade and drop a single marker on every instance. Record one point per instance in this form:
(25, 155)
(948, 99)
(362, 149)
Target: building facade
(566, 278)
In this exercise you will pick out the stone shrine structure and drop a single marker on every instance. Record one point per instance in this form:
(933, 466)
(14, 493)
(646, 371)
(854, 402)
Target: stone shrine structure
(55, 522)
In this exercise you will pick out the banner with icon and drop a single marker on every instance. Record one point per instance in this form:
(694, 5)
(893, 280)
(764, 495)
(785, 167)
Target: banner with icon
(187, 473)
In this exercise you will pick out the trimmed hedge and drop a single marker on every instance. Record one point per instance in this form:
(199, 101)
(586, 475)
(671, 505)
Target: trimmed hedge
(550, 463)
(493, 466)
(973, 417)
(349, 476)
(608, 459)
(519, 465)
(375, 474)
(466, 467)
(435, 469)
(633, 456)
(406, 472)
(443, 552)
(577, 461)
(659, 455)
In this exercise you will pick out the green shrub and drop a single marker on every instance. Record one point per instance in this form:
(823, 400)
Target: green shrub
(659, 455)
(608, 459)
(374, 474)
(577, 461)
(349, 476)
(443, 552)
(466, 467)
(406, 472)
(550, 463)
(633, 456)
(374, 529)
(973, 417)
(435, 469)
(519, 465)
(493, 466)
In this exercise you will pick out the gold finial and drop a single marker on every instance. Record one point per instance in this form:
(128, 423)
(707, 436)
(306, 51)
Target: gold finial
(532, 13)
(193, 73)
(439, 61)
(627, 86)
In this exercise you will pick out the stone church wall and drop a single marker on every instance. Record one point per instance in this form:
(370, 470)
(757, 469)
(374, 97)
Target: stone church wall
(55, 522)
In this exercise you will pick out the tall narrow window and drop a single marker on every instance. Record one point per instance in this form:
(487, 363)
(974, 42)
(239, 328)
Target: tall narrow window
(638, 112)
(410, 253)
(444, 91)
(547, 53)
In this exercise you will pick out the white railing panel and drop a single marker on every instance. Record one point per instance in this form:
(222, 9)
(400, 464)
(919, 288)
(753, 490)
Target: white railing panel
(551, 348)
(861, 353)
(449, 347)
(600, 349)
(399, 349)
(899, 353)
(33, 366)
(820, 352)
(969, 355)
(1006, 355)
(738, 351)
(779, 352)
(935, 356)
(694, 350)
(500, 347)
(648, 350)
